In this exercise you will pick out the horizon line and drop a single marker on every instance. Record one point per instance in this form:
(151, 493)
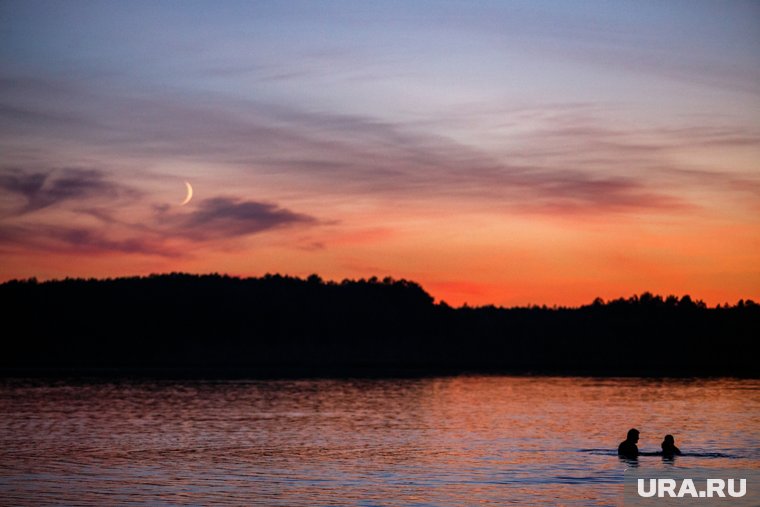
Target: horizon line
(389, 280)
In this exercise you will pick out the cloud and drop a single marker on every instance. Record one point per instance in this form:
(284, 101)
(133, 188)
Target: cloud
(44, 189)
(581, 193)
(62, 239)
(215, 220)
(27, 185)
(92, 241)
(551, 157)
(224, 217)
(116, 230)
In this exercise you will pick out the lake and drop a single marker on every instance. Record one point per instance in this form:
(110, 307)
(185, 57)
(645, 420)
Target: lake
(446, 441)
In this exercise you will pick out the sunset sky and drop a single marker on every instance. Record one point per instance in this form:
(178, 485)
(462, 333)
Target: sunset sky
(493, 151)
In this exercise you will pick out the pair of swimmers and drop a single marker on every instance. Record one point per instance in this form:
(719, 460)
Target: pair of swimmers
(628, 448)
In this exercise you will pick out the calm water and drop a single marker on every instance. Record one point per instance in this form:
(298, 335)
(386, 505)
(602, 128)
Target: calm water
(436, 441)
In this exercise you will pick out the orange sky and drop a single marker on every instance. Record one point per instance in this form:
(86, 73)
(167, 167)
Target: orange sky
(494, 157)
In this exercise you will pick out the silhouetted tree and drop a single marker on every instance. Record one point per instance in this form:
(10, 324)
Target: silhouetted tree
(281, 325)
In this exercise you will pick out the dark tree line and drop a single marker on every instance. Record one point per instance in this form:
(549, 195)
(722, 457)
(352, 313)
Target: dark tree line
(181, 324)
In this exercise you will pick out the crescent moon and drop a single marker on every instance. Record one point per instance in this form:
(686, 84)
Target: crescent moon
(189, 193)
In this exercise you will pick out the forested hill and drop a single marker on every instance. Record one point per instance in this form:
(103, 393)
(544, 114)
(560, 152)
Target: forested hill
(180, 324)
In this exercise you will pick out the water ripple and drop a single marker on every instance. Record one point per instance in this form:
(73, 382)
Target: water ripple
(402, 442)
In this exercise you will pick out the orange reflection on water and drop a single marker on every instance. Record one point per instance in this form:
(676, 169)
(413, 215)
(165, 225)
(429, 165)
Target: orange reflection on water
(470, 440)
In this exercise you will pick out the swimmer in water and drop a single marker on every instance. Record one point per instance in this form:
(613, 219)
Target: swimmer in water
(669, 448)
(627, 447)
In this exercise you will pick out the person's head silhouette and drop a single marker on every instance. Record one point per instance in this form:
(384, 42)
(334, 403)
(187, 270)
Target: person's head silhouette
(669, 448)
(627, 448)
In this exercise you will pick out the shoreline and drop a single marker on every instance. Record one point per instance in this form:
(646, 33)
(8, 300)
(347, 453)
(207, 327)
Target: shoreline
(295, 373)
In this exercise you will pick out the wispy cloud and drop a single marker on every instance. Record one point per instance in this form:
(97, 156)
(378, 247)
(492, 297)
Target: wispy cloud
(44, 189)
(80, 240)
(87, 194)
(225, 217)
(216, 220)
(554, 158)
